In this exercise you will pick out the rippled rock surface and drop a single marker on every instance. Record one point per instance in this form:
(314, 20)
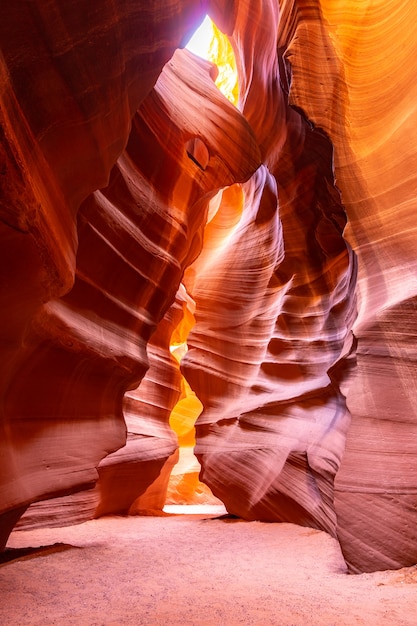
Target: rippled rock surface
(102, 209)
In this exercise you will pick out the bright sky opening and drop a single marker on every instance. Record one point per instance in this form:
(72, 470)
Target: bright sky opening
(209, 43)
(200, 42)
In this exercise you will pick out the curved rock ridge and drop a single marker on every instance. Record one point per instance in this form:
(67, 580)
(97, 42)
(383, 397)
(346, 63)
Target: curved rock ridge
(72, 76)
(71, 359)
(366, 102)
(320, 72)
(271, 435)
(274, 305)
(177, 207)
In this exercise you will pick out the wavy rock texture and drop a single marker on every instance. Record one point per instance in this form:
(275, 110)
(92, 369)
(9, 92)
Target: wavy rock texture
(271, 321)
(305, 289)
(367, 104)
(72, 77)
(252, 453)
(126, 474)
(75, 334)
(274, 291)
(326, 55)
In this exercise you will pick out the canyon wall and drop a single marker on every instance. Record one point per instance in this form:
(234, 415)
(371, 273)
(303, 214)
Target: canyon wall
(132, 190)
(102, 207)
(370, 114)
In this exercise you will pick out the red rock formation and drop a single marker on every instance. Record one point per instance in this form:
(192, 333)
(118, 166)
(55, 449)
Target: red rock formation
(72, 80)
(364, 97)
(72, 76)
(108, 180)
(271, 435)
(323, 48)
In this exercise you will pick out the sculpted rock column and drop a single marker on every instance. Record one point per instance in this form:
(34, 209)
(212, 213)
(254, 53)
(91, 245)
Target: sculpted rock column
(136, 236)
(356, 83)
(274, 305)
(176, 158)
(346, 72)
(81, 296)
(378, 178)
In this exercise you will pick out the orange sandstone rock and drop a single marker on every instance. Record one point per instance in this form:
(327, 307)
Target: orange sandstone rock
(76, 326)
(356, 83)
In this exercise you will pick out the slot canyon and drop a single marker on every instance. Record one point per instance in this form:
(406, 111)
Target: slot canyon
(231, 275)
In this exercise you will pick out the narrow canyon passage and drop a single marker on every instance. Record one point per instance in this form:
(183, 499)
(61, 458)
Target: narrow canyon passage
(193, 570)
(264, 217)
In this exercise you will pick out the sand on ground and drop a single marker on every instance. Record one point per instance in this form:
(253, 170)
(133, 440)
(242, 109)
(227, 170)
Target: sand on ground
(195, 570)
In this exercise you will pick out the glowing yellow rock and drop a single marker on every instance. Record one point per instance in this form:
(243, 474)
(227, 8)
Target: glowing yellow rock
(221, 53)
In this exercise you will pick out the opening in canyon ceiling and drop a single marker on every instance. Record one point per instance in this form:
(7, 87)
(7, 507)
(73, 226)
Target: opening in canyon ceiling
(211, 44)
(184, 486)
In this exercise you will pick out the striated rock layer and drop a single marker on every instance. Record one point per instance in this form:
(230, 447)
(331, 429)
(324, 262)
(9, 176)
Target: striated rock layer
(72, 77)
(272, 435)
(274, 304)
(75, 329)
(369, 111)
(289, 220)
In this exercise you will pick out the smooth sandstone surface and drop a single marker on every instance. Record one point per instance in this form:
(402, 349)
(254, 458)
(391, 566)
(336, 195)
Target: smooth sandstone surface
(133, 191)
(372, 127)
(84, 303)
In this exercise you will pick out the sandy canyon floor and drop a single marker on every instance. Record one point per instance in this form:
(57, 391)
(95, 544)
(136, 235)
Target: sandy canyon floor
(198, 570)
